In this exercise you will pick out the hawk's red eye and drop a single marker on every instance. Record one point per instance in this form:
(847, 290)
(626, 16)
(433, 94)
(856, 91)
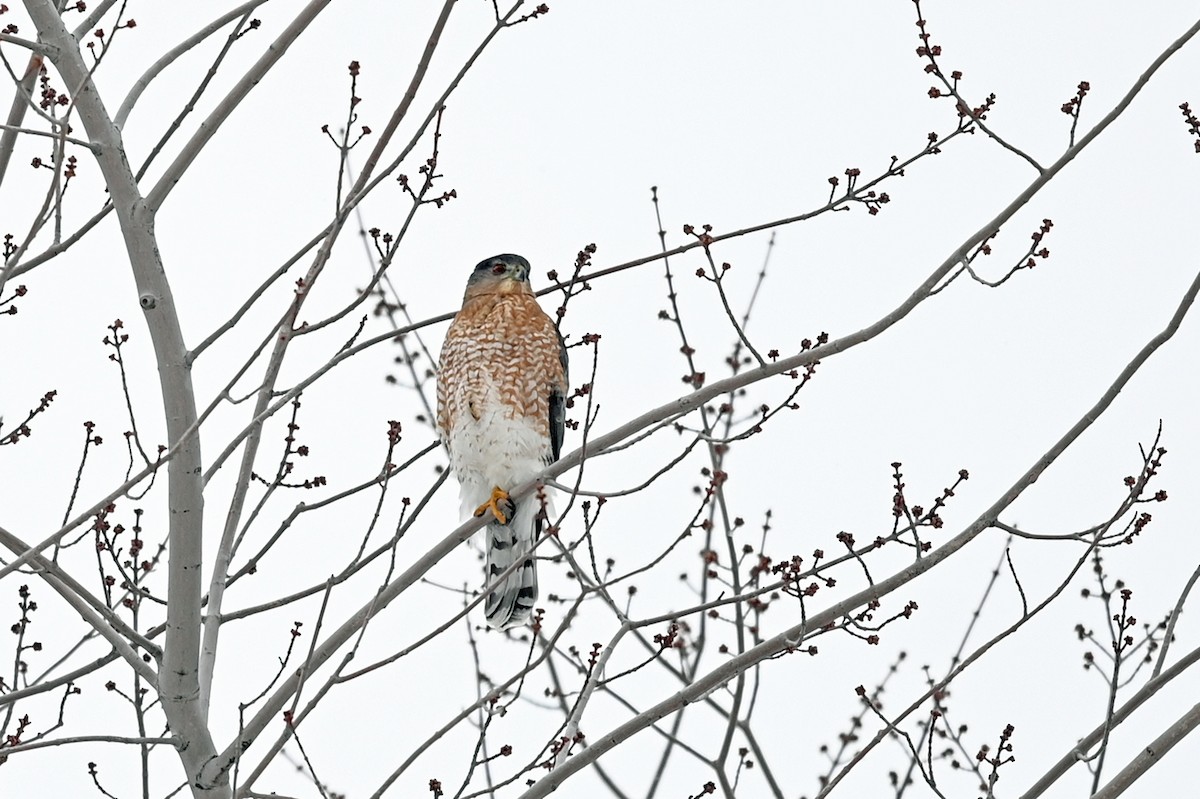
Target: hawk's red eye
(499, 269)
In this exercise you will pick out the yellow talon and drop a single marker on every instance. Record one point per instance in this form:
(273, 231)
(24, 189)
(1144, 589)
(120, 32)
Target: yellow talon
(493, 504)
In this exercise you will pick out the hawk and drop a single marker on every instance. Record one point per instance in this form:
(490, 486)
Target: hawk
(501, 396)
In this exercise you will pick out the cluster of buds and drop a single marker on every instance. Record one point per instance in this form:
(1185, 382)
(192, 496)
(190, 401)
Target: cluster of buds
(1193, 123)
(1071, 107)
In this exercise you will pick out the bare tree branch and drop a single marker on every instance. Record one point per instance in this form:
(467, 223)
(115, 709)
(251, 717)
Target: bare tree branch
(16, 114)
(208, 128)
(172, 55)
(1151, 755)
(288, 330)
(792, 637)
(178, 680)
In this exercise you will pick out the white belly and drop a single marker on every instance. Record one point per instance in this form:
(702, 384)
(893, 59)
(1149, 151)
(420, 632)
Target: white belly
(494, 450)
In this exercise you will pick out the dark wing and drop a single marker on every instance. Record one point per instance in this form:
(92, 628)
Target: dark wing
(558, 405)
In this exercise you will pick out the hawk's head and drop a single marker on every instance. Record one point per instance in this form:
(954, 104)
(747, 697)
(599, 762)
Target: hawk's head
(500, 274)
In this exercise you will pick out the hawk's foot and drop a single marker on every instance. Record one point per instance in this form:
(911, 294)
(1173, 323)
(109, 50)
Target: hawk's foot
(499, 504)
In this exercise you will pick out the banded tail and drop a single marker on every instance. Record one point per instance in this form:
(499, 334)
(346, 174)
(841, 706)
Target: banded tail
(511, 602)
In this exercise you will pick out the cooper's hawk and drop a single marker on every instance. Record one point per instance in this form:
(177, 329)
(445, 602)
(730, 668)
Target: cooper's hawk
(501, 393)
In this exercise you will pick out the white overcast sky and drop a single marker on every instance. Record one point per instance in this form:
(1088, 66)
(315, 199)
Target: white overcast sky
(738, 113)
